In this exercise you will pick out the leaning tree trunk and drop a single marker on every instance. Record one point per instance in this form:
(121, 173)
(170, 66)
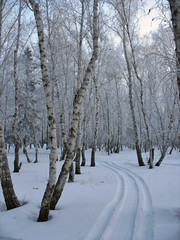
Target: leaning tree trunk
(45, 204)
(166, 145)
(6, 182)
(175, 12)
(76, 109)
(124, 21)
(17, 166)
(26, 153)
(138, 150)
(175, 137)
(134, 62)
(5, 176)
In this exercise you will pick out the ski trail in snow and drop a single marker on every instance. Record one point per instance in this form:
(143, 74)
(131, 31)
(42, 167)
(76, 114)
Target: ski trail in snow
(108, 212)
(121, 225)
(144, 216)
(129, 215)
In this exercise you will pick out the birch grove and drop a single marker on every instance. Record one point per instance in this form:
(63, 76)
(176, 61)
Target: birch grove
(82, 75)
(76, 110)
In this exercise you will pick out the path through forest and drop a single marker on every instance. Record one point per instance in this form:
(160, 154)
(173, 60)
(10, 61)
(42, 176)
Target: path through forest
(116, 200)
(129, 215)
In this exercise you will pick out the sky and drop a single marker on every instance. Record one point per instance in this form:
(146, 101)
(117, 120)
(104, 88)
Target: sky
(150, 21)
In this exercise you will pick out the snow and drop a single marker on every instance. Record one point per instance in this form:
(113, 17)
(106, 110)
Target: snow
(116, 200)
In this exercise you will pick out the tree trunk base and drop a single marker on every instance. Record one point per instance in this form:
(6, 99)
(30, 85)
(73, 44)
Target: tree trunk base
(71, 174)
(43, 215)
(63, 154)
(83, 158)
(77, 160)
(93, 158)
(17, 168)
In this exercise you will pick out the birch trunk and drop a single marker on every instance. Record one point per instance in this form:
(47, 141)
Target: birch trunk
(108, 127)
(175, 12)
(71, 173)
(124, 21)
(63, 131)
(83, 163)
(6, 182)
(175, 139)
(55, 80)
(120, 120)
(138, 150)
(10, 197)
(78, 152)
(76, 109)
(141, 97)
(17, 166)
(96, 124)
(166, 145)
(35, 141)
(45, 204)
(1, 11)
(26, 154)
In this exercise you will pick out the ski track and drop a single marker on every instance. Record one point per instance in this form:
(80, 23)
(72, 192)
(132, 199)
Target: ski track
(129, 215)
(109, 211)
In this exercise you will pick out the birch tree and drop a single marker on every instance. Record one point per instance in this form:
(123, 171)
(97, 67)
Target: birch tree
(140, 80)
(166, 140)
(17, 166)
(56, 83)
(175, 12)
(96, 123)
(76, 110)
(45, 204)
(10, 197)
(78, 151)
(123, 17)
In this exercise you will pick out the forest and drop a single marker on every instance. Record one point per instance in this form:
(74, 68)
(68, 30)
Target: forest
(86, 74)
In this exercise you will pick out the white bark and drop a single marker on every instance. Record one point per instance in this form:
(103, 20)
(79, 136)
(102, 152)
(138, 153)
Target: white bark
(124, 23)
(166, 142)
(175, 12)
(134, 62)
(56, 84)
(76, 109)
(5, 176)
(45, 204)
(78, 152)
(17, 166)
(10, 197)
(96, 123)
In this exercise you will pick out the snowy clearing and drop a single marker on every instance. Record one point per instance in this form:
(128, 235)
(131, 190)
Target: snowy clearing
(116, 200)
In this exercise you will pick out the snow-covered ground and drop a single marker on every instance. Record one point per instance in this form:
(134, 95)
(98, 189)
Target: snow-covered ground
(116, 200)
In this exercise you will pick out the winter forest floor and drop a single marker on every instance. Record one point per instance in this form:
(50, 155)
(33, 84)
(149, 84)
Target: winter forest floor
(116, 200)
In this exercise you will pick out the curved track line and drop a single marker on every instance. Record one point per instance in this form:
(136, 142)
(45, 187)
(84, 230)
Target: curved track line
(126, 215)
(143, 228)
(129, 215)
(109, 211)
